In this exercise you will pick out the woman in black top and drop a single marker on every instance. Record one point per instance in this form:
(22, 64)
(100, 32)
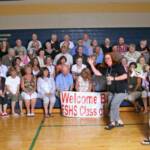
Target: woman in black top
(106, 47)
(117, 87)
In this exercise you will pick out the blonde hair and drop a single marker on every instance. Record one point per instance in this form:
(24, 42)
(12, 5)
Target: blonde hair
(86, 74)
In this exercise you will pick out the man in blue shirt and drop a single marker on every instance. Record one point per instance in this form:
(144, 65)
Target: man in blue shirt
(64, 81)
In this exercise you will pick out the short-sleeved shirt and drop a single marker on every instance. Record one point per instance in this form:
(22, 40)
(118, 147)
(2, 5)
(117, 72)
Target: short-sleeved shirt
(83, 85)
(13, 83)
(64, 82)
(116, 86)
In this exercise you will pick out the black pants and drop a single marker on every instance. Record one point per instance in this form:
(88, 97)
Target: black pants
(3, 100)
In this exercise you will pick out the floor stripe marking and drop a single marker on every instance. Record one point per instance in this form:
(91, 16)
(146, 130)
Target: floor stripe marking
(89, 125)
(36, 134)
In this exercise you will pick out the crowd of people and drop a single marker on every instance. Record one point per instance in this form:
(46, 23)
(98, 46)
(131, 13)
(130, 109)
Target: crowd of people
(43, 70)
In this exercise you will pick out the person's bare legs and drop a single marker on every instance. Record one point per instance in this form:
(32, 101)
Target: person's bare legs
(33, 102)
(145, 105)
(52, 103)
(5, 108)
(21, 107)
(46, 110)
(27, 104)
(13, 104)
(51, 107)
(1, 111)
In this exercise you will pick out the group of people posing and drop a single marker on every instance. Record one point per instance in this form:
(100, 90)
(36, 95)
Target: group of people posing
(122, 70)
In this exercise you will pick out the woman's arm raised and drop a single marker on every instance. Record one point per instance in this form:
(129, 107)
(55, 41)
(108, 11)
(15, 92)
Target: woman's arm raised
(95, 71)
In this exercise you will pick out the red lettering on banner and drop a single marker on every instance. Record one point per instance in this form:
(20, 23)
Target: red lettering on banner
(69, 110)
(65, 97)
(84, 111)
(80, 104)
(103, 98)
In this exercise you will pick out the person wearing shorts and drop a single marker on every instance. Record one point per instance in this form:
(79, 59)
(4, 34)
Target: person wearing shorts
(146, 97)
(134, 87)
(46, 90)
(146, 87)
(28, 85)
(12, 88)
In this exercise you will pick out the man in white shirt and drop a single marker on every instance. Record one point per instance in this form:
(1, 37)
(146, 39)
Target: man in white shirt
(3, 69)
(19, 47)
(68, 40)
(64, 52)
(132, 55)
(34, 43)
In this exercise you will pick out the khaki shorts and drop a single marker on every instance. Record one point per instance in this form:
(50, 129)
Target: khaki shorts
(145, 94)
(134, 96)
(12, 97)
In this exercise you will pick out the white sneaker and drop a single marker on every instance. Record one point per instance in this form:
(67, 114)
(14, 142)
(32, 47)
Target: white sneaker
(28, 114)
(15, 114)
(32, 114)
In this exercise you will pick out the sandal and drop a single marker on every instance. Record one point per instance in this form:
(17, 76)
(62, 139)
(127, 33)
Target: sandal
(46, 116)
(4, 115)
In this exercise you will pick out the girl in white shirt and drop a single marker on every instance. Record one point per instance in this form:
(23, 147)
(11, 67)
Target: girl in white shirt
(78, 67)
(46, 90)
(12, 88)
(83, 83)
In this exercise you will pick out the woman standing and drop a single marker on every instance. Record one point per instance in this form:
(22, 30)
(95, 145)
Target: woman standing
(117, 86)
(46, 89)
(28, 85)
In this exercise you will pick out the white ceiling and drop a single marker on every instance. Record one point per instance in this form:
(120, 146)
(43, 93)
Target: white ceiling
(71, 1)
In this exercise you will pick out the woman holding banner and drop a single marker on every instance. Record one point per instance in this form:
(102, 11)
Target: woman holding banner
(117, 87)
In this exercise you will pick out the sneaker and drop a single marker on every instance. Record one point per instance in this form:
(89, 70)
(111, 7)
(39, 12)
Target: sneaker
(32, 114)
(109, 127)
(146, 142)
(119, 123)
(22, 114)
(15, 114)
(28, 114)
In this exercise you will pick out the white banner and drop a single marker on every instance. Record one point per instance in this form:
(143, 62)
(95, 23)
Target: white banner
(82, 104)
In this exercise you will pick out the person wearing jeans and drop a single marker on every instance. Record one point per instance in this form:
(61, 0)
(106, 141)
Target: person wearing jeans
(117, 87)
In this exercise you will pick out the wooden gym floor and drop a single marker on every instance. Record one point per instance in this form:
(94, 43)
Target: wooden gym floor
(60, 133)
